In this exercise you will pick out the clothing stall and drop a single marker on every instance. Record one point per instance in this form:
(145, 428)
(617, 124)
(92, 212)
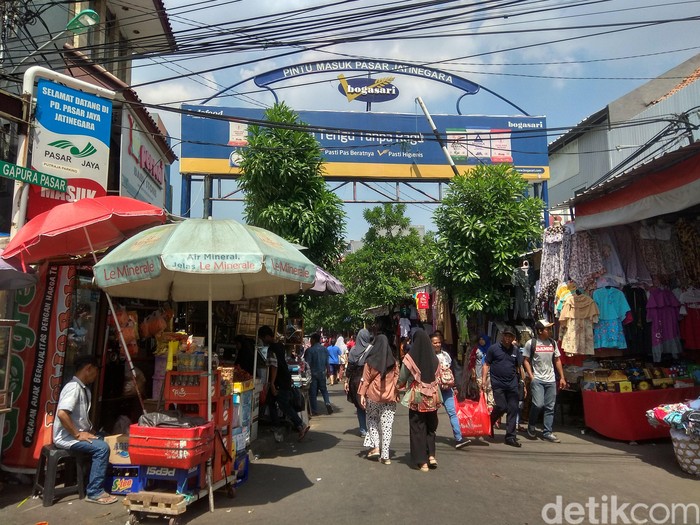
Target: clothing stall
(623, 283)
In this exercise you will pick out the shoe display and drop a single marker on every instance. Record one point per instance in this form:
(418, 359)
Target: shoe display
(513, 443)
(329, 409)
(531, 433)
(462, 443)
(551, 438)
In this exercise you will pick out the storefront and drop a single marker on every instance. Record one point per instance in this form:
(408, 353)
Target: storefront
(623, 282)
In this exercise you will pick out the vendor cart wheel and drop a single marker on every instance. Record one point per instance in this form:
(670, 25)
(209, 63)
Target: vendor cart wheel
(134, 519)
(175, 520)
(230, 491)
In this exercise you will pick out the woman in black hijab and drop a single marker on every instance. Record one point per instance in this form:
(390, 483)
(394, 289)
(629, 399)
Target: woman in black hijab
(423, 398)
(353, 375)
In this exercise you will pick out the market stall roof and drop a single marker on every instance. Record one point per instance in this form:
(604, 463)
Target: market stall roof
(666, 184)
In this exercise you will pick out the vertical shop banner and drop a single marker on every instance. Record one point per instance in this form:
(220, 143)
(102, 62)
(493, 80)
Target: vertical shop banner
(142, 166)
(71, 140)
(36, 372)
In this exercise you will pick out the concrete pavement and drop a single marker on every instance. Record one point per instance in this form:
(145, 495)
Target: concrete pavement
(326, 479)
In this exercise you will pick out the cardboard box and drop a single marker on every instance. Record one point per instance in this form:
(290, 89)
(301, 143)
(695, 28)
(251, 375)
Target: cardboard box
(663, 382)
(118, 449)
(619, 386)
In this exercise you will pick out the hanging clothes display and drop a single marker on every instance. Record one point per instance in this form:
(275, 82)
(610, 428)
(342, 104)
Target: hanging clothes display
(586, 263)
(638, 332)
(577, 318)
(614, 274)
(523, 281)
(689, 242)
(551, 267)
(663, 311)
(613, 308)
(626, 239)
(690, 324)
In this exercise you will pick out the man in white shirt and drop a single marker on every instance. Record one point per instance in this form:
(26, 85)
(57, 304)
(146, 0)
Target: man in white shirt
(539, 366)
(72, 428)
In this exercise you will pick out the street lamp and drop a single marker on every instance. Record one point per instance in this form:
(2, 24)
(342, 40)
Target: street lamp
(77, 25)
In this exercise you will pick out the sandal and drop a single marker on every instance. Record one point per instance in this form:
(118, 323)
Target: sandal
(373, 454)
(432, 463)
(423, 467)
(104, 499)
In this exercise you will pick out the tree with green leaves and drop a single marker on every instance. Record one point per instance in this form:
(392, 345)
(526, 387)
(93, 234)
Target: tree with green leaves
(391, 262)
(285, 192)
(484, 222)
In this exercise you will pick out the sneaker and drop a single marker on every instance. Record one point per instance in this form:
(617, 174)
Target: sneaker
(551, 438)
(329, 409)
(363, 433)
(513, 443)
(531, 433)
(462, 443)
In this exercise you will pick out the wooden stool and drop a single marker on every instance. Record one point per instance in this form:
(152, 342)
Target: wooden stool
(59, 467)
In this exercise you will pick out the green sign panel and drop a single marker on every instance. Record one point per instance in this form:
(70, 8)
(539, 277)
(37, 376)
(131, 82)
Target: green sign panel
(12, 171)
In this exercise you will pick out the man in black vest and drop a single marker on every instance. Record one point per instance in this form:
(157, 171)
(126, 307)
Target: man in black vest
(503, 362)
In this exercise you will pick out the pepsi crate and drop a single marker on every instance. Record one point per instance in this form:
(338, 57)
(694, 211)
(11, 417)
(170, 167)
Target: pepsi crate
(124, 479)
(240, 467)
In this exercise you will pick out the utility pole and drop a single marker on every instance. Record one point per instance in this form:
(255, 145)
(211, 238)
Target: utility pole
(437, 136)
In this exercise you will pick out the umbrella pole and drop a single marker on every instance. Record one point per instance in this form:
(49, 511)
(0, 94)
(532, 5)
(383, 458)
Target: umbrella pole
(126, 351)
(210, 374)
(119, 329)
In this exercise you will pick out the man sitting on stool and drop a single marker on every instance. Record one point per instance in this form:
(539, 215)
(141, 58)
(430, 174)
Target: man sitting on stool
(72, 429)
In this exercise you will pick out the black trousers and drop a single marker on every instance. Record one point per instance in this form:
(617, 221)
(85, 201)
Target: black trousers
(422, 427)
(506, 400)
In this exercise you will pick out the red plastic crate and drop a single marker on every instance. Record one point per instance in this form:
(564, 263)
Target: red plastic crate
(171, 447)
(183, 387)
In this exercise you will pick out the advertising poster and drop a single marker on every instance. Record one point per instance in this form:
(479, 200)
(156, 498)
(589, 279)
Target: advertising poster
(36, 372)
(71, 141)
(372, 145)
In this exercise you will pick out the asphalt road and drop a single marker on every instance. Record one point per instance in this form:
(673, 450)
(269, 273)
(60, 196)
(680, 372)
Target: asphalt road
(327, 480)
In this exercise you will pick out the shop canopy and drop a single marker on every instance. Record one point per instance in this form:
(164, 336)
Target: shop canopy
(665, 185)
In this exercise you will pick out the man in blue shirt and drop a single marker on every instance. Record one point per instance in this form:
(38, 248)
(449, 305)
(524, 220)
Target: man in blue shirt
(333, 361)
(317, 358)
(503, 362)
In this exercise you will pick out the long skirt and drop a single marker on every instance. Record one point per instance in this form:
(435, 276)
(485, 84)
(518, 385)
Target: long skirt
(422, 427)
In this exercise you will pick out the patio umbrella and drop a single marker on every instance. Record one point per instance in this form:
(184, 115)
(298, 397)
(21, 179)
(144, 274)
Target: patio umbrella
(83, 227)
(12, 277)
(204, 260)
(326, 284)
(80, 228)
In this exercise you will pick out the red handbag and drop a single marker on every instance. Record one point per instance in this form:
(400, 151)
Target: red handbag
(474, 418)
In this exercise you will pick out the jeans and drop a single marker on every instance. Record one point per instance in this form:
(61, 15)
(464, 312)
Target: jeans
(98, 450)
(362, 420)
(318, 382)
(448, 399)
(544, 395)
(284, 400)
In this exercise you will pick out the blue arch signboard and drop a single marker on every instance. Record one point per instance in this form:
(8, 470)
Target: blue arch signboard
(373, 146)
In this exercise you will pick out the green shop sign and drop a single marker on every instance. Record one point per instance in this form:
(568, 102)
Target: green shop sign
(12, 171)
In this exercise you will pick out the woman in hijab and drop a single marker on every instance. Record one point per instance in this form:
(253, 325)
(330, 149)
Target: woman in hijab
(378, 396)
(419, 377)
(476, 363)
(342, 356)
(353, 375)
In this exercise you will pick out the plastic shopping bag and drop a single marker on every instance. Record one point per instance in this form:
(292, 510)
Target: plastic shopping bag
(474, 418)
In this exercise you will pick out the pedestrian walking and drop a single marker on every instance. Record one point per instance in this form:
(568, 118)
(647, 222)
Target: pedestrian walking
(503, 362)
(542, 356)
(418, 377)
(447, 388)
(377, 393)
(353, 375)
(342, 357)
(317, 358)
(333, 362)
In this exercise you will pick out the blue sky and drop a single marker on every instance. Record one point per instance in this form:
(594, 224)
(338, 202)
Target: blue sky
(546, 63)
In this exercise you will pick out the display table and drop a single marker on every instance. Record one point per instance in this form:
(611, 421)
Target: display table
(623, 415)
